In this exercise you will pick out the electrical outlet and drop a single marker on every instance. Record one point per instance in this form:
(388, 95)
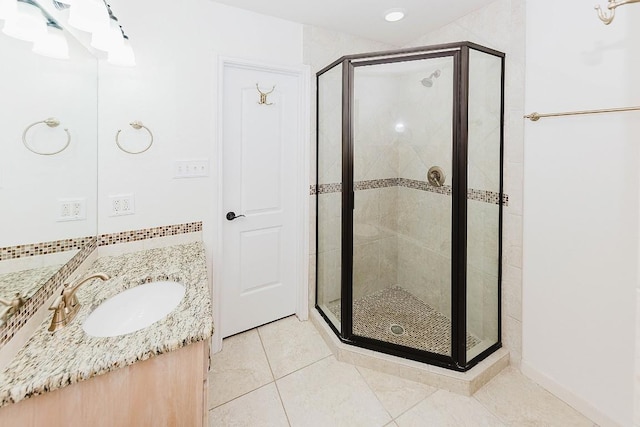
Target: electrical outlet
(72, 210)
(191, 168)
(122, 204)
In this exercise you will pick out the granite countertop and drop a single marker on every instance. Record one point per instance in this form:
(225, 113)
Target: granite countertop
(25, 282)
(49, 361)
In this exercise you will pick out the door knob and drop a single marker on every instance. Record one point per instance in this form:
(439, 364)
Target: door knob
(232, 215)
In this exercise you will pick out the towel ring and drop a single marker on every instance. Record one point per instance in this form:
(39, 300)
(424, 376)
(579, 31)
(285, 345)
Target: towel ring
(52, 123)
(137, 125)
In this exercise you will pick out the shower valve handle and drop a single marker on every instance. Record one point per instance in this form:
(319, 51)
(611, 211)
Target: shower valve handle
(232, 215)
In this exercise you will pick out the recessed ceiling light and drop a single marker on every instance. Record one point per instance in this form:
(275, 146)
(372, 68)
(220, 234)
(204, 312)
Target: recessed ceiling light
(393, 15)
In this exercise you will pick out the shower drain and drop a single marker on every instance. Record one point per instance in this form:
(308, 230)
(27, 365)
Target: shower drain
(397, 330)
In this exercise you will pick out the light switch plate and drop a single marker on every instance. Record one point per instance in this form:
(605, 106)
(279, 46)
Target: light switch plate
(191, 168)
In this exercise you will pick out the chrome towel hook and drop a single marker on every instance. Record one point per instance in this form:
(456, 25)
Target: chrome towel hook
(52, 123)
(137, 125)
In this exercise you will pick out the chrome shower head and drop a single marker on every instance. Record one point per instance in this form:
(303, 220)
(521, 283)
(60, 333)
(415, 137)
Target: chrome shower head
(428, 81)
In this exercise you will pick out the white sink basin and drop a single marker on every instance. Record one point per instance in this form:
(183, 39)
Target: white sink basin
(134, 309)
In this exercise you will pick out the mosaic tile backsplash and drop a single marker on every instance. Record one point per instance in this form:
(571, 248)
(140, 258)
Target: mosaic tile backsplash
(86, 245)
(148, 233)
(478, 195)
(44, 248)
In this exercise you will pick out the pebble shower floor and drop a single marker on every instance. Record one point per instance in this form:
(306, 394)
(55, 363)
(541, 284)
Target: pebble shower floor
(377, 316)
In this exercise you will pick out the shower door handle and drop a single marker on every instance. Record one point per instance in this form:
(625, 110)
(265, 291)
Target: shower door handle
(232, 215)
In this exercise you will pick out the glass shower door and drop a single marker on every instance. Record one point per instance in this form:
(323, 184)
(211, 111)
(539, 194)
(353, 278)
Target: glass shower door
(484, 204)
(329, 195)
(402, 148)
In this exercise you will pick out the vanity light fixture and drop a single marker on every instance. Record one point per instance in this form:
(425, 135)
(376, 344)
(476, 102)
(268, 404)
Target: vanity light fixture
(394, 15)
(96, 17)
(26, 20)
(31, 23)
(27, 24)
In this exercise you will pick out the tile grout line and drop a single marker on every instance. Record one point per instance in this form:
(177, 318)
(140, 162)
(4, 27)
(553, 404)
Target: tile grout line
(505, 422)
(496, 416)
(274, 377)
(266, 356)
(257, 388)
(240, 396)
(306, 366)
(544, 391)
(282, 403)
(374, 393)
(409, 408)
(418, 403)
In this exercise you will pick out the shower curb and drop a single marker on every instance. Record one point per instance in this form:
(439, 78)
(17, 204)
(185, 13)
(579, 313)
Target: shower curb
(465, 383)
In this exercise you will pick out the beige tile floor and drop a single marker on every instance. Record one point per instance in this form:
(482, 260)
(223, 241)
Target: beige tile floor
(283, 374)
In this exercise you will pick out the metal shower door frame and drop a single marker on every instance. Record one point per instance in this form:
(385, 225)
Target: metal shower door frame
(460, 54)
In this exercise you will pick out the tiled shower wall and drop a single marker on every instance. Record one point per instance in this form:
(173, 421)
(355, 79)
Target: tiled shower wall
(424, 232)
(375, 240)
(501, 25)
(375, 245)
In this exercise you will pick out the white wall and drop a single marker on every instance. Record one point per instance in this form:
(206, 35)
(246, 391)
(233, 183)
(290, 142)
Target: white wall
(581, 207)
(636, 419)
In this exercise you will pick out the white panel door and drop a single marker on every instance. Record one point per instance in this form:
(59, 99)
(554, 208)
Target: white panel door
(260, 147)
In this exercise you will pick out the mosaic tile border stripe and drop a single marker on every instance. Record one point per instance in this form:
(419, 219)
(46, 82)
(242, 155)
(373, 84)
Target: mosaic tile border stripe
(148, 233)
(44, 248)
(478, 195)
(33, 304)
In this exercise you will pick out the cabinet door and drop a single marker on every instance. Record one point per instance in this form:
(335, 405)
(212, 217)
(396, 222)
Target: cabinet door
(164, 390)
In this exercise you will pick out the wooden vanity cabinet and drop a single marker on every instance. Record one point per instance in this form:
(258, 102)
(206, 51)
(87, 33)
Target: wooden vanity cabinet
(166, 390)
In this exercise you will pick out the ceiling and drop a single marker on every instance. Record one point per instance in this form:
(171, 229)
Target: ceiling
(364, 18)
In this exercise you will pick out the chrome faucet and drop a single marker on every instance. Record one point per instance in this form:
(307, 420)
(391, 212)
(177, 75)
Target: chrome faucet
(12, 306)
(66, 306)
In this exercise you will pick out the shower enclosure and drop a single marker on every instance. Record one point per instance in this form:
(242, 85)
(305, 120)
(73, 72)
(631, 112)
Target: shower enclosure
(409, 201)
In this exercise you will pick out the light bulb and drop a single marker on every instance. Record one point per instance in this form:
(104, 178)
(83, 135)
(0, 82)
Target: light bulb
(27, 24)
(393, 15)
(89, 15)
